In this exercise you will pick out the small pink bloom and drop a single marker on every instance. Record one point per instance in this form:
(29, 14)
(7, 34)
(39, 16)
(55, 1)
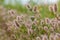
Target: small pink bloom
(38, 38)
(51, 8)
(12, 12)
(45, 28)
(44, 37)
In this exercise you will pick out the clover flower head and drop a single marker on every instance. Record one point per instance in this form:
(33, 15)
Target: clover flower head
(35, 8)
(51, 37)
(42, 22)
(30, 31)
(55, 8)
(44, 37)
(51, 29)
(12, 12)
(45, 28)
(51, 8)
(47, 21)
(16, 23)
(38, 38)
(28, 23)
(29, 7)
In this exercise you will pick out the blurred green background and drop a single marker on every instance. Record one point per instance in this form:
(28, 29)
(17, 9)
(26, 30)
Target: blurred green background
(17, 4)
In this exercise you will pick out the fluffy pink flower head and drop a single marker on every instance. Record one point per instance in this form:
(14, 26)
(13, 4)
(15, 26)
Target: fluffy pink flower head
(51, 37)
(28, 23)
(55, 8)
(44, 37)
(38, 38)
(16, 23)
(51, 8)
(47, 21)
(29, 7)
(51, 29)
(12, 12)
(35, 9)
(35, 22)
(45, 28)
(30, 31)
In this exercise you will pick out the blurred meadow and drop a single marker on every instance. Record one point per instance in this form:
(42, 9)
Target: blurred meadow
(29, 20)
(20, 6)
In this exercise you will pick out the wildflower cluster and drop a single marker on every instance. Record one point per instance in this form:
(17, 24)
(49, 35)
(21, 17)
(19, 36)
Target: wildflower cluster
(16, 26)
